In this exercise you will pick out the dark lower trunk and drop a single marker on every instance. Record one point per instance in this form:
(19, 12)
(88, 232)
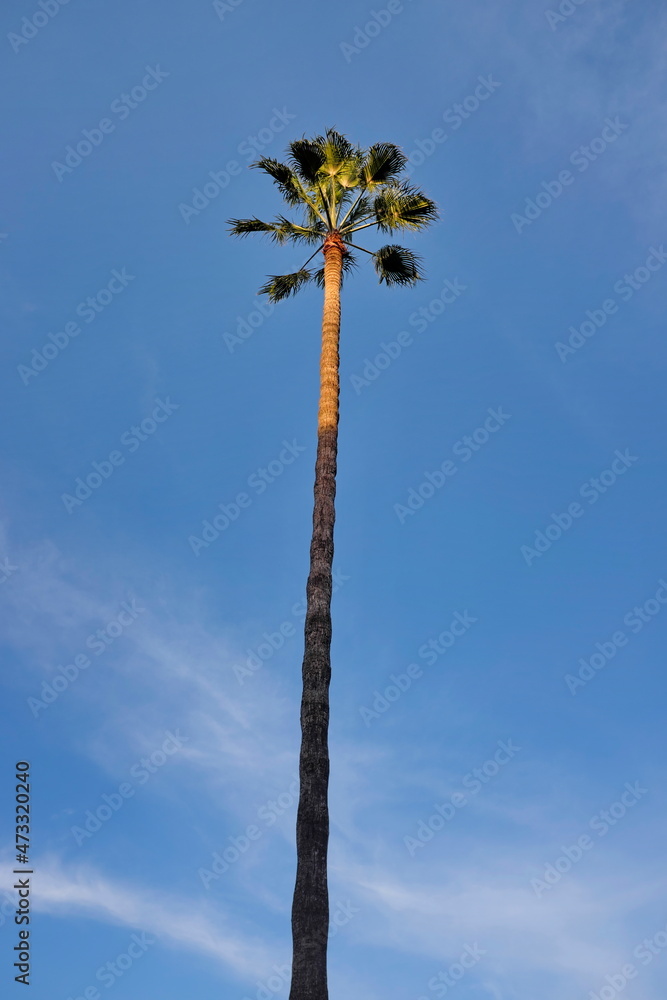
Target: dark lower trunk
(310, 912)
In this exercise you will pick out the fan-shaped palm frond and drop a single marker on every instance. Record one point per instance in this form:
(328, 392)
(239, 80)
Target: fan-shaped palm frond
(283, 177)
(397, 265)
(384, 162)
(342, 160)
(337, 148)
(402, 206)
(244, 227)
(290, 232)
(282, 230)
(281, 286)
(306, 157)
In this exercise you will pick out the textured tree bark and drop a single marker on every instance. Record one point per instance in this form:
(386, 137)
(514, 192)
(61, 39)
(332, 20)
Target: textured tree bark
(310, 909)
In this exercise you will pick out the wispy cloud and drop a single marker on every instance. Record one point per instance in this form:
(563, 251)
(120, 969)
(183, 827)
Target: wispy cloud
(178, 922)
(571, 940)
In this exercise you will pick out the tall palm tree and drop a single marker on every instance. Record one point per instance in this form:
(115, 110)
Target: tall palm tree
(338, 189)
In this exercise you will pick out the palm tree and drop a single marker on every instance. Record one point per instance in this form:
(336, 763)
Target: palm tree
(339, 189)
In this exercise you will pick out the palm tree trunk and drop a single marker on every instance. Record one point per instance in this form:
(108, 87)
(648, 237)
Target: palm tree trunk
(310, 909)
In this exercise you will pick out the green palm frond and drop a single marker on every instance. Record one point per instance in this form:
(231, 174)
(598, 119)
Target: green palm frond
(349, 264)
(306, 157)
(402, 206)
(337, 148)
(281, 286)
(244, 227)
(281, 230)
(342, 160)
(397, 265)
(283, 177)
(290, 232)
(384, 162)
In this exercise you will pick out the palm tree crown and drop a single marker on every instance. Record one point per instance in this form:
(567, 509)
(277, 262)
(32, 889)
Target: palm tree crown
(341, 189)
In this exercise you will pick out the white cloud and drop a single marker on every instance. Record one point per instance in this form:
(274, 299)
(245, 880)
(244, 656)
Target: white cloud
(175, 921)
(576, 936)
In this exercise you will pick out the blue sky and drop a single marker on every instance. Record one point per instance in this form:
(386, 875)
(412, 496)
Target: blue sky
(498, 779)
